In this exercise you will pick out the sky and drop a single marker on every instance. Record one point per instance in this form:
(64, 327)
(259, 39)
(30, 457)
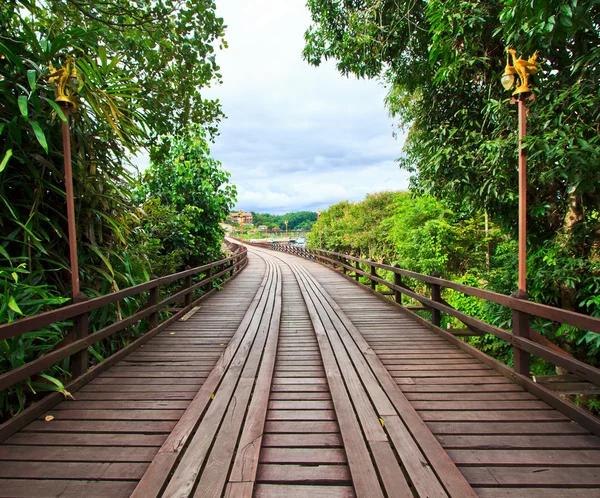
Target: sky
(296, 137)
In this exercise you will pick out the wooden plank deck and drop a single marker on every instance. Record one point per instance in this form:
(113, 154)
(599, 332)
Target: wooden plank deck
(505, 441)
(295, 382)
(102, 443)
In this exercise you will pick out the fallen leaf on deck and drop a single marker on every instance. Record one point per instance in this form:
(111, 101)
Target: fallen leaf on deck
(49, 418)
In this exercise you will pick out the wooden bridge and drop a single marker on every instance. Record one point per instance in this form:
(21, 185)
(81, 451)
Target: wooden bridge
(295, 380)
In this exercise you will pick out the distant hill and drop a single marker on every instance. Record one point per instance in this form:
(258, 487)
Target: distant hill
(300, 220)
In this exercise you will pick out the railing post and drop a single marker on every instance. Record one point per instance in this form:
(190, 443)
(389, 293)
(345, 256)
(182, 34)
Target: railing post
(153, 301)
(79, 361)
(520, 327)
(374, 274)
(341, 260)
(356, 274)
(187, 283)
(398, 283)
(208, 287)
(436, 295)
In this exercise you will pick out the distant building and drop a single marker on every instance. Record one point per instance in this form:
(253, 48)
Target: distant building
(262, 228)
(242, 217)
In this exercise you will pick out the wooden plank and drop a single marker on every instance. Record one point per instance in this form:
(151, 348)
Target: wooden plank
(534, 493)
(492, 416)
(321, 474)
(560, 458)
(492, 428)
(71, 470)
(301, 415)
(301, 427)
(158, 405)
(74, 439)
(566, 477)
(90, 426)
(302, 456)
(78, 453)
(302, 491)
(18, 488)
(117, 415)
(522, 441)
(301, 440)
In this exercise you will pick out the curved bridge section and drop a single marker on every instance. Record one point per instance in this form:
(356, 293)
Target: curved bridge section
(293, 381)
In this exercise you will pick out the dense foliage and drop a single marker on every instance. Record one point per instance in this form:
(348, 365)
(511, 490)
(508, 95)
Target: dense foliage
(139, 70)
(442, 62)
(422, 234)
(298, 220)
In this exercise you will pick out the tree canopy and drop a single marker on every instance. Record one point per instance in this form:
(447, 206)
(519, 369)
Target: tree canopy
(442, 62)
(137, 71)
(298, 220)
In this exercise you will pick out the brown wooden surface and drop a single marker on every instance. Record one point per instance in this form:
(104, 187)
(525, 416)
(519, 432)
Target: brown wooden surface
(503, 439)
(295, 382)
(102, 443)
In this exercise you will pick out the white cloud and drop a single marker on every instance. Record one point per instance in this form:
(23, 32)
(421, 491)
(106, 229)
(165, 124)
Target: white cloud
(296, 137)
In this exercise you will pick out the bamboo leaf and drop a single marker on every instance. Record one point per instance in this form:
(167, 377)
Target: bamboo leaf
(31, 77)
(39, 134)
(12, 304)
(22, 100)
(59, 386)
(7, 156)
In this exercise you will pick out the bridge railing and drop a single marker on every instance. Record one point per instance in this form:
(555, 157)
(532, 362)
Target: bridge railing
(77, 342)
(522, 310)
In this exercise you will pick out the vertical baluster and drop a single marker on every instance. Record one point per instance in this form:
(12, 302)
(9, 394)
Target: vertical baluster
(153, 301)
(187, 283)
(209, 285)
(374, 274)
(436, 295)
(397, 282)
(520, 328)
(79, 361)
(356, 274)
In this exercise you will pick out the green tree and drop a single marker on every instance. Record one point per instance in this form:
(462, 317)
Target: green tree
(184, 176)
(442, 62)
(141, 67)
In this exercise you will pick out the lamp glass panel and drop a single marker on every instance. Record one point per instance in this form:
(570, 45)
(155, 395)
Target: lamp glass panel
(508, 81)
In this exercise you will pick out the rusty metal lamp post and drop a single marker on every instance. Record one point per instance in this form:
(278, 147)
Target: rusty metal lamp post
(65, 79)
(517, 75)
(522, 69)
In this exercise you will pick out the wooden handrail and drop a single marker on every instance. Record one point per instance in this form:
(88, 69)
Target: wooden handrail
(436, 304)
(40, 320)
(80, 313)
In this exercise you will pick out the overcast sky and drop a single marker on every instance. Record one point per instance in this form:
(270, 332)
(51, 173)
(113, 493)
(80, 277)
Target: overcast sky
(296, 137)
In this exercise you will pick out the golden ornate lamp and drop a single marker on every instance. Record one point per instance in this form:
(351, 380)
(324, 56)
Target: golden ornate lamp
(66, 80)
(520, 67)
